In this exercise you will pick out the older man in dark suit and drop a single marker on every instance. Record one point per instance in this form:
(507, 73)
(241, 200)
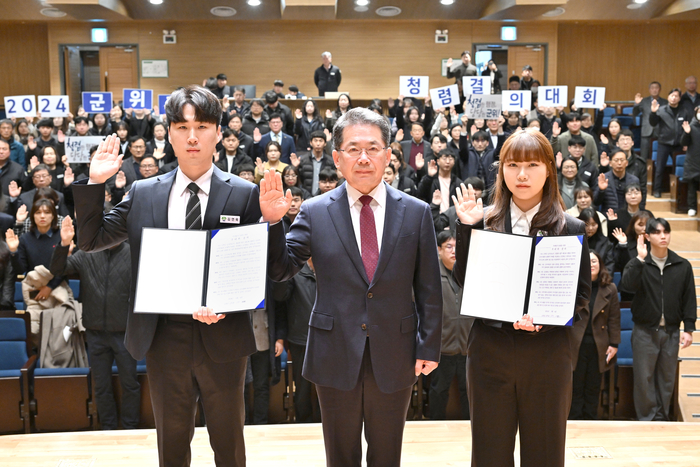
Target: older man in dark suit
(643, 105)
(187, 359)
(376, 323)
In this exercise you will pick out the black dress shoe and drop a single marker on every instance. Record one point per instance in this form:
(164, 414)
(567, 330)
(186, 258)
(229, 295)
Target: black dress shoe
(657, 194)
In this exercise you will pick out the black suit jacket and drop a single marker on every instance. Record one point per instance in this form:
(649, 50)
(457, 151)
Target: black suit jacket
(146, 205)
(348, 307)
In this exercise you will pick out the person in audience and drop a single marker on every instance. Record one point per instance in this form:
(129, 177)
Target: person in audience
(231, 155)
(274, 106)
(343, 105)
(584, 199)
(669, 119)
(307, 122)
(664, 297)
(595, 338)
(642, 105)
(294, 93)
(691, 167)
(278, 88)
(17, 153)
(447, 220)
(41, 178)
(159, 147)
(327, 180)
(437, 143)
(222, 88)
(635, 164)
(463, 69)
(456, 131)
(398, 161)
(82, 127)
(255, 118)
(626, 247)
(363, 366)
(405, 123)
(7, 279)
(327, 77)
(569, 182)
(140, 123)
(311, 163)
(526, 78)
(104, 282)
(495, 74)
(294, 206)
(245, 142)
(246, 172)
(10, 171)
(455, 332)
(239, 106)
(477, 160)
(587, 171)
(100, 125)
(614, 128)
(622, 217)
(547, 116)
(440, 176)
(273, 151)
(497, 135)
(22, 131)
(299, 296)
(395, 180)
(689, 99)
(514, 83)
(148, 167)
(122, 131)
(35, 146)
(290, 178)
(505, 394)
(131, 166)
(618, 179)
(284, 140)
(560, 142)
(35, 249)
(417, 150)
(597, 240)
(57, 169)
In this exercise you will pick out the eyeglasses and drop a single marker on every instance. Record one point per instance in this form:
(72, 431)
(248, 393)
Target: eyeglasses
(40, 176)
(138, 147)
(148, 166)
(371, 151)
(449, 246)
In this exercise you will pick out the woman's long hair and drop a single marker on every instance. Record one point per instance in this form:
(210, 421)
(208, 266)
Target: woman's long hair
(631, 234)
(522, 146)
(604, 277)
(589, 214)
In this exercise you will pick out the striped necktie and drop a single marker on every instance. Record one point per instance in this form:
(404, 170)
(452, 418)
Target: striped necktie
(193, 219)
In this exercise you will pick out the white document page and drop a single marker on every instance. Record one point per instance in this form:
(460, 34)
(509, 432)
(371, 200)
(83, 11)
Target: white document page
(238, 268)
(555, 280)
(171, 271)
(496, 280)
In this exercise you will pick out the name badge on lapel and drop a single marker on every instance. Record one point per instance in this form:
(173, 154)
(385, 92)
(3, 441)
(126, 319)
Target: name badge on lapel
(230, 219)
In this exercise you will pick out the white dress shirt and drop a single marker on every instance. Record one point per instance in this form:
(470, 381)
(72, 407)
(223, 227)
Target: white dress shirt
(521, 221)
(180, 195)
(378, 205)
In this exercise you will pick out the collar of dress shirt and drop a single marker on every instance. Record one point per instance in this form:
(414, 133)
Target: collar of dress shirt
(516, 213)
(378, 194)
(203, 182)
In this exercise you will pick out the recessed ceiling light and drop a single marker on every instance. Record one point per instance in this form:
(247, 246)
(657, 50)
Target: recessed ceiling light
(447, 2)
(362, 2)
(223, 11)
(634, 6)
(558, 11)
(156, 2)
(388, 11)
(254, 2)
(640, 1)
(52, 12)
(361, 9)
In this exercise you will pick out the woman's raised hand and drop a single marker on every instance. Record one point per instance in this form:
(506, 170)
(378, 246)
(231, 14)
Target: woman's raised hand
(469, 209)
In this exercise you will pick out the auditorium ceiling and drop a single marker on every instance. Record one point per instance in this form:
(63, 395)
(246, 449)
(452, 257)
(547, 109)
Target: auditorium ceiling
(236, 10)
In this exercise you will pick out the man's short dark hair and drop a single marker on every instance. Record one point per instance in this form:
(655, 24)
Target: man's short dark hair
(675, 90)
(654, 223)
(239, 89)
(476, 182)
(577, 140)
(443, 138)
(270, 97)
(327, 175)
(318, 134)
(296, 191)
(514, 78)
(207, 108)
(41, 167)
(77, 120)
(2, 141)
(148, 157)
(573, 116)
(444, 236)
(655, 82)
(221, 76)
(45, 122)
(361, 116)
(418, 124)
(390, 166)
(236, 115)
(274, 115)
(245, 168)
(257, 101)
(134, 139)
(278, 82)
(6, 121)
(293, 88)
(527, 67)
(626, 132)
(615, 151)
(466, 52)
(446, 152)
(480, 135)
(228, 133)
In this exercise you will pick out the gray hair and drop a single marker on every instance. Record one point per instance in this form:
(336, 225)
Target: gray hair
(326, 54)
(360, 116)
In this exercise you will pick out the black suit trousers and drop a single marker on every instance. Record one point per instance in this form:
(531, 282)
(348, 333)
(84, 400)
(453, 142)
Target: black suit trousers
(180, 371)
(383, 415)
(518, 380)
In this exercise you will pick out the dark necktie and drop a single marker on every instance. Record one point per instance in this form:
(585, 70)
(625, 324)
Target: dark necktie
(368, 238)
(193, 219)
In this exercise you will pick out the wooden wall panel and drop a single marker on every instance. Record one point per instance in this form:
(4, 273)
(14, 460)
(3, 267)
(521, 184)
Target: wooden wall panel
(626, 57)
(25, 59)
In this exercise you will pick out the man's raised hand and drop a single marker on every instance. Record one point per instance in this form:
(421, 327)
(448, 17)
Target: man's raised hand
(274, 203)
(67, 231)
(106, 161)
(469, 209)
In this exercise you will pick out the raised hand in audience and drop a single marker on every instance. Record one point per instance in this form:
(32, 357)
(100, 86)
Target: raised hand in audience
(31, 143)
(159, 153)
(556, 129)
(294, 159)
(106, 161)
(68, 176)
(225, 104)
(641, 248)
(469, 209)
(420, 161)
(611, 214)
(432, 168)
(257, 136)
(120, 180)
(524, 113)
(604, 139)
(328, 133)
(298, 114)
(399, 135)
(473, 129)
(638, 98)
(620, 235)
(34, 161)
(329, 114)
(559, 158)
(64, 160)
(274, 203)
(67, 231)
(437, 197)
(61, 136)
(22, 214)
(449, 62)
(686, 126)
(259, 166)
(604, 159)
(655, 105)
(602, 182)
(12, 240)
(14, 190)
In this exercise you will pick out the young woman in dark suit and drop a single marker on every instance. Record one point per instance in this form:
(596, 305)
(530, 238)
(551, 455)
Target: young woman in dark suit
(520, 374)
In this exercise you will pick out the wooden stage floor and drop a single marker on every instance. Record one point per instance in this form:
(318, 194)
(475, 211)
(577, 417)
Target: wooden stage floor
(426, 444)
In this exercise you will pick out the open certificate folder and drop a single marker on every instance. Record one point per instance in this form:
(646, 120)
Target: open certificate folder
(181, 270)
(510, 275)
